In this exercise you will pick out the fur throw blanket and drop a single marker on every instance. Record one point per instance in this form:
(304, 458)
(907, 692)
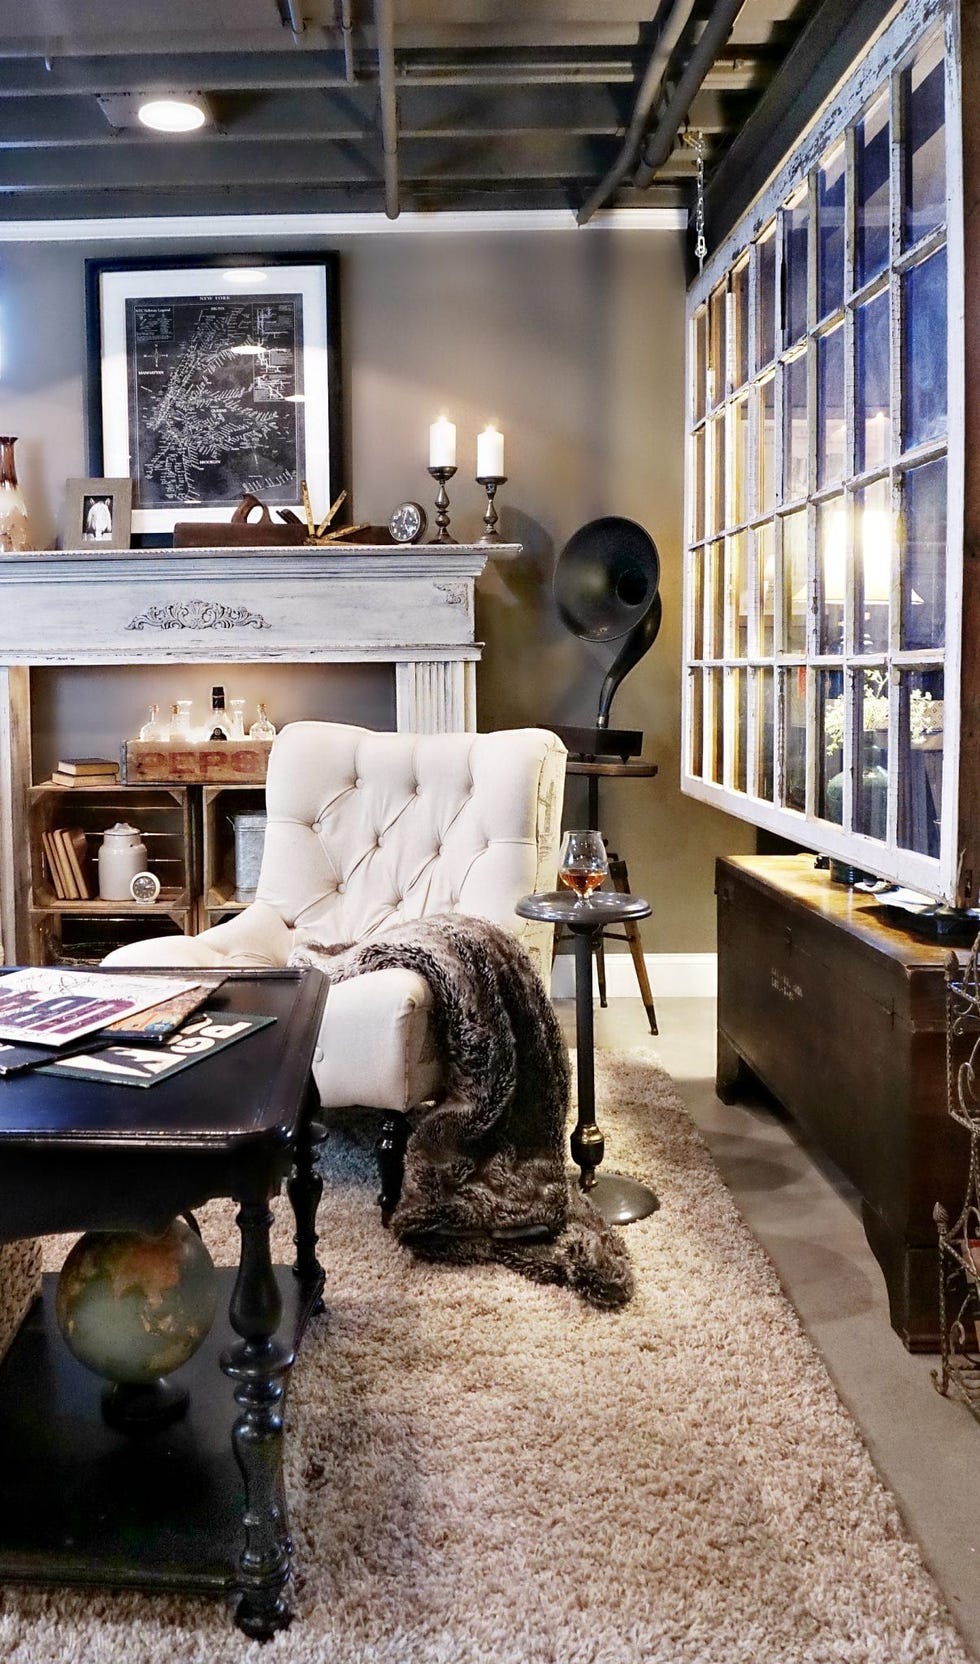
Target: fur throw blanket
(485, 1174)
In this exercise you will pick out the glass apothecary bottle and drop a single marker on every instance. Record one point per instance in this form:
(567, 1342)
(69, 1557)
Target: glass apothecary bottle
(237, 709)
(262, 728)
(219, 727)
(154, 729)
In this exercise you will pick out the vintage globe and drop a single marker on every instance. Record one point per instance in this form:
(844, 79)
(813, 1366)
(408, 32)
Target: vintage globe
(133, 1307)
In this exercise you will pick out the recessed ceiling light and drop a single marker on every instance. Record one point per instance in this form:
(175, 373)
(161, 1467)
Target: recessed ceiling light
(173, 115)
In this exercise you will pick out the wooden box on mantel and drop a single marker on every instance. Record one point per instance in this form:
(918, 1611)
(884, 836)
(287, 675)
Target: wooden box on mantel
(211, 762)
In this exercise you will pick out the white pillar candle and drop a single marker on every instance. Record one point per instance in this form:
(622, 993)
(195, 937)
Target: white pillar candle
(489, 454)
(442, 444)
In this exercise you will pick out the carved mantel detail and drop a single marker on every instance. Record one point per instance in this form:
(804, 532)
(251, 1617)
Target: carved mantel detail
(197, 615)
(455, 594)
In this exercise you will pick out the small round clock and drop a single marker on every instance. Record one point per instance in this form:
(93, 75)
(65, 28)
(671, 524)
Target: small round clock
(144, 886)
(407, 522)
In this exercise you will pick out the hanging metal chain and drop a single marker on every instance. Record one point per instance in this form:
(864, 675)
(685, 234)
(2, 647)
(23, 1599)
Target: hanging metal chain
(700, 245)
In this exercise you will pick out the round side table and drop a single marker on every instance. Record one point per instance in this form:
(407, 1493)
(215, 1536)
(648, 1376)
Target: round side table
(617, 1199)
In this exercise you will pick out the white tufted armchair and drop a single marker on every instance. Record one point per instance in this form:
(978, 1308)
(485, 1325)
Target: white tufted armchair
(368, 829)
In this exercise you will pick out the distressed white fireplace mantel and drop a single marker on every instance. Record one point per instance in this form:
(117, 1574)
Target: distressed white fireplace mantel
(412, 608)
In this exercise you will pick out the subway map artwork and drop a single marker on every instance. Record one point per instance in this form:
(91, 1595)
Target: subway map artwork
(215, 396)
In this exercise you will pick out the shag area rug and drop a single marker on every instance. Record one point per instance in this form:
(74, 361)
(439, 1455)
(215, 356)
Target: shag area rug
(486, 1471)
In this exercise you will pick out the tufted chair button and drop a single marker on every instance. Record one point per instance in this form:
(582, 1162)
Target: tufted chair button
(379, 842)
(341, 888)
(318, 1054)
(358, 781)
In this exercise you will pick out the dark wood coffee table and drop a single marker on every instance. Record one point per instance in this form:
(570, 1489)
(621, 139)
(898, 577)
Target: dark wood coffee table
(198, 1505)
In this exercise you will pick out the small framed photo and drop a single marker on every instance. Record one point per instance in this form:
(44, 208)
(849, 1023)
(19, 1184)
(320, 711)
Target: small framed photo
(98, 514)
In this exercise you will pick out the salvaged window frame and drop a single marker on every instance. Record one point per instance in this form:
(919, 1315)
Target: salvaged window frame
(781, 675)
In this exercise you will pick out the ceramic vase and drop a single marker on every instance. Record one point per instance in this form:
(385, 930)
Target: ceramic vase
(15, 528)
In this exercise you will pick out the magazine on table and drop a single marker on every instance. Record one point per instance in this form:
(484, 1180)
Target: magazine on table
(52, 1006)
(200, 1037)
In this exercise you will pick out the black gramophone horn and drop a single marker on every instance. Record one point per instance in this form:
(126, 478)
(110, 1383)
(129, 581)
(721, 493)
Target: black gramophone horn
(606, 586)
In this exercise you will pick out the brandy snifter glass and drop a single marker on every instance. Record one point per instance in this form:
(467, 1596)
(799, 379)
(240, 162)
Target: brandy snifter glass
(583, 863)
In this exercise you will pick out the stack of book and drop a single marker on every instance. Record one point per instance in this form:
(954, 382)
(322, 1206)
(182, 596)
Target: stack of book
(69, 863)
(86, 771)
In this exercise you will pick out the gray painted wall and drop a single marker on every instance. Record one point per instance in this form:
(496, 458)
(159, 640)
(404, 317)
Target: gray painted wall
(573, 343)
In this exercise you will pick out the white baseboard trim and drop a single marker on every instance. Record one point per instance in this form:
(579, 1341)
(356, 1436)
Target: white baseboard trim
(685, 976)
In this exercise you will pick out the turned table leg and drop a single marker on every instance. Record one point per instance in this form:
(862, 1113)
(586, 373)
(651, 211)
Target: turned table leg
(304, 1188)
(260, 1367)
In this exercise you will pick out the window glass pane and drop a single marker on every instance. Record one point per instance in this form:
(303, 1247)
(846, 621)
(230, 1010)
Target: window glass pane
(794, 583)
(716, 492)
(874, 537)
(765, 686)
(738, 568)
(925, 350)
(925, 150)
(795, 436)
(765, 315)
(830, 408)
(700, 365)
(740, 738)
(795, 222)
(740, 462)
(830, 756)
(716, 346)
(793, 699)
(695, 759)
(831, 568)
(871, 784)
(767, 444)
(872, 399)
(698, 557)
(715, 724)
(740, 325)
(765, 558)
(697, 485)
(924, 572)
(920, 773)
(714, 601)
(830, 233)
(872, 142)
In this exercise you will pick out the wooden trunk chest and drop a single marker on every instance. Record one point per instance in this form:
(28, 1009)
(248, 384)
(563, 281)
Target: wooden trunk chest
(842, 1017)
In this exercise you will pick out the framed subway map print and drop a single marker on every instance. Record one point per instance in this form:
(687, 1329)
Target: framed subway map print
(212, 379)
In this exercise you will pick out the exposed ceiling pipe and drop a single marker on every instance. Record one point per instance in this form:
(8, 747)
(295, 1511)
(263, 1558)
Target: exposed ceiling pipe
(294, 11)
(384, 24)
(650, 87)
(658, 147)
(347, 30)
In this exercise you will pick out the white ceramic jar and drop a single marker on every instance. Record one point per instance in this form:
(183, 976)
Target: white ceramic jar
(121, 856)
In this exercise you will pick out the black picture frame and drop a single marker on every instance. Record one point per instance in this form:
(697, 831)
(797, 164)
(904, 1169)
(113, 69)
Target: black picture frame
(244, 351)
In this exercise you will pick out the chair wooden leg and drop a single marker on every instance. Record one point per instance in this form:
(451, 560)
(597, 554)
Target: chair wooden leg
(390, 1153)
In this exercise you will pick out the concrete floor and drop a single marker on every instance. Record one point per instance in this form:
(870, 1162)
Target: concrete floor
(806, 1215)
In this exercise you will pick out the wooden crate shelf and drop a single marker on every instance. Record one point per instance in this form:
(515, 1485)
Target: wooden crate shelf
(219, 805)
(168, 825)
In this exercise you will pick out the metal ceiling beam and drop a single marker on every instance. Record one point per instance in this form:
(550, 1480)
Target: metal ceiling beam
(668, 38)
(171, 169)
(443, 113)
(384, 22)
(718, 27)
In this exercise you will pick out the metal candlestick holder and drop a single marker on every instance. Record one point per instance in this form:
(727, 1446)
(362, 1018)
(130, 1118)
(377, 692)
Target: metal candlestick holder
(490, 483)
(442, 505)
